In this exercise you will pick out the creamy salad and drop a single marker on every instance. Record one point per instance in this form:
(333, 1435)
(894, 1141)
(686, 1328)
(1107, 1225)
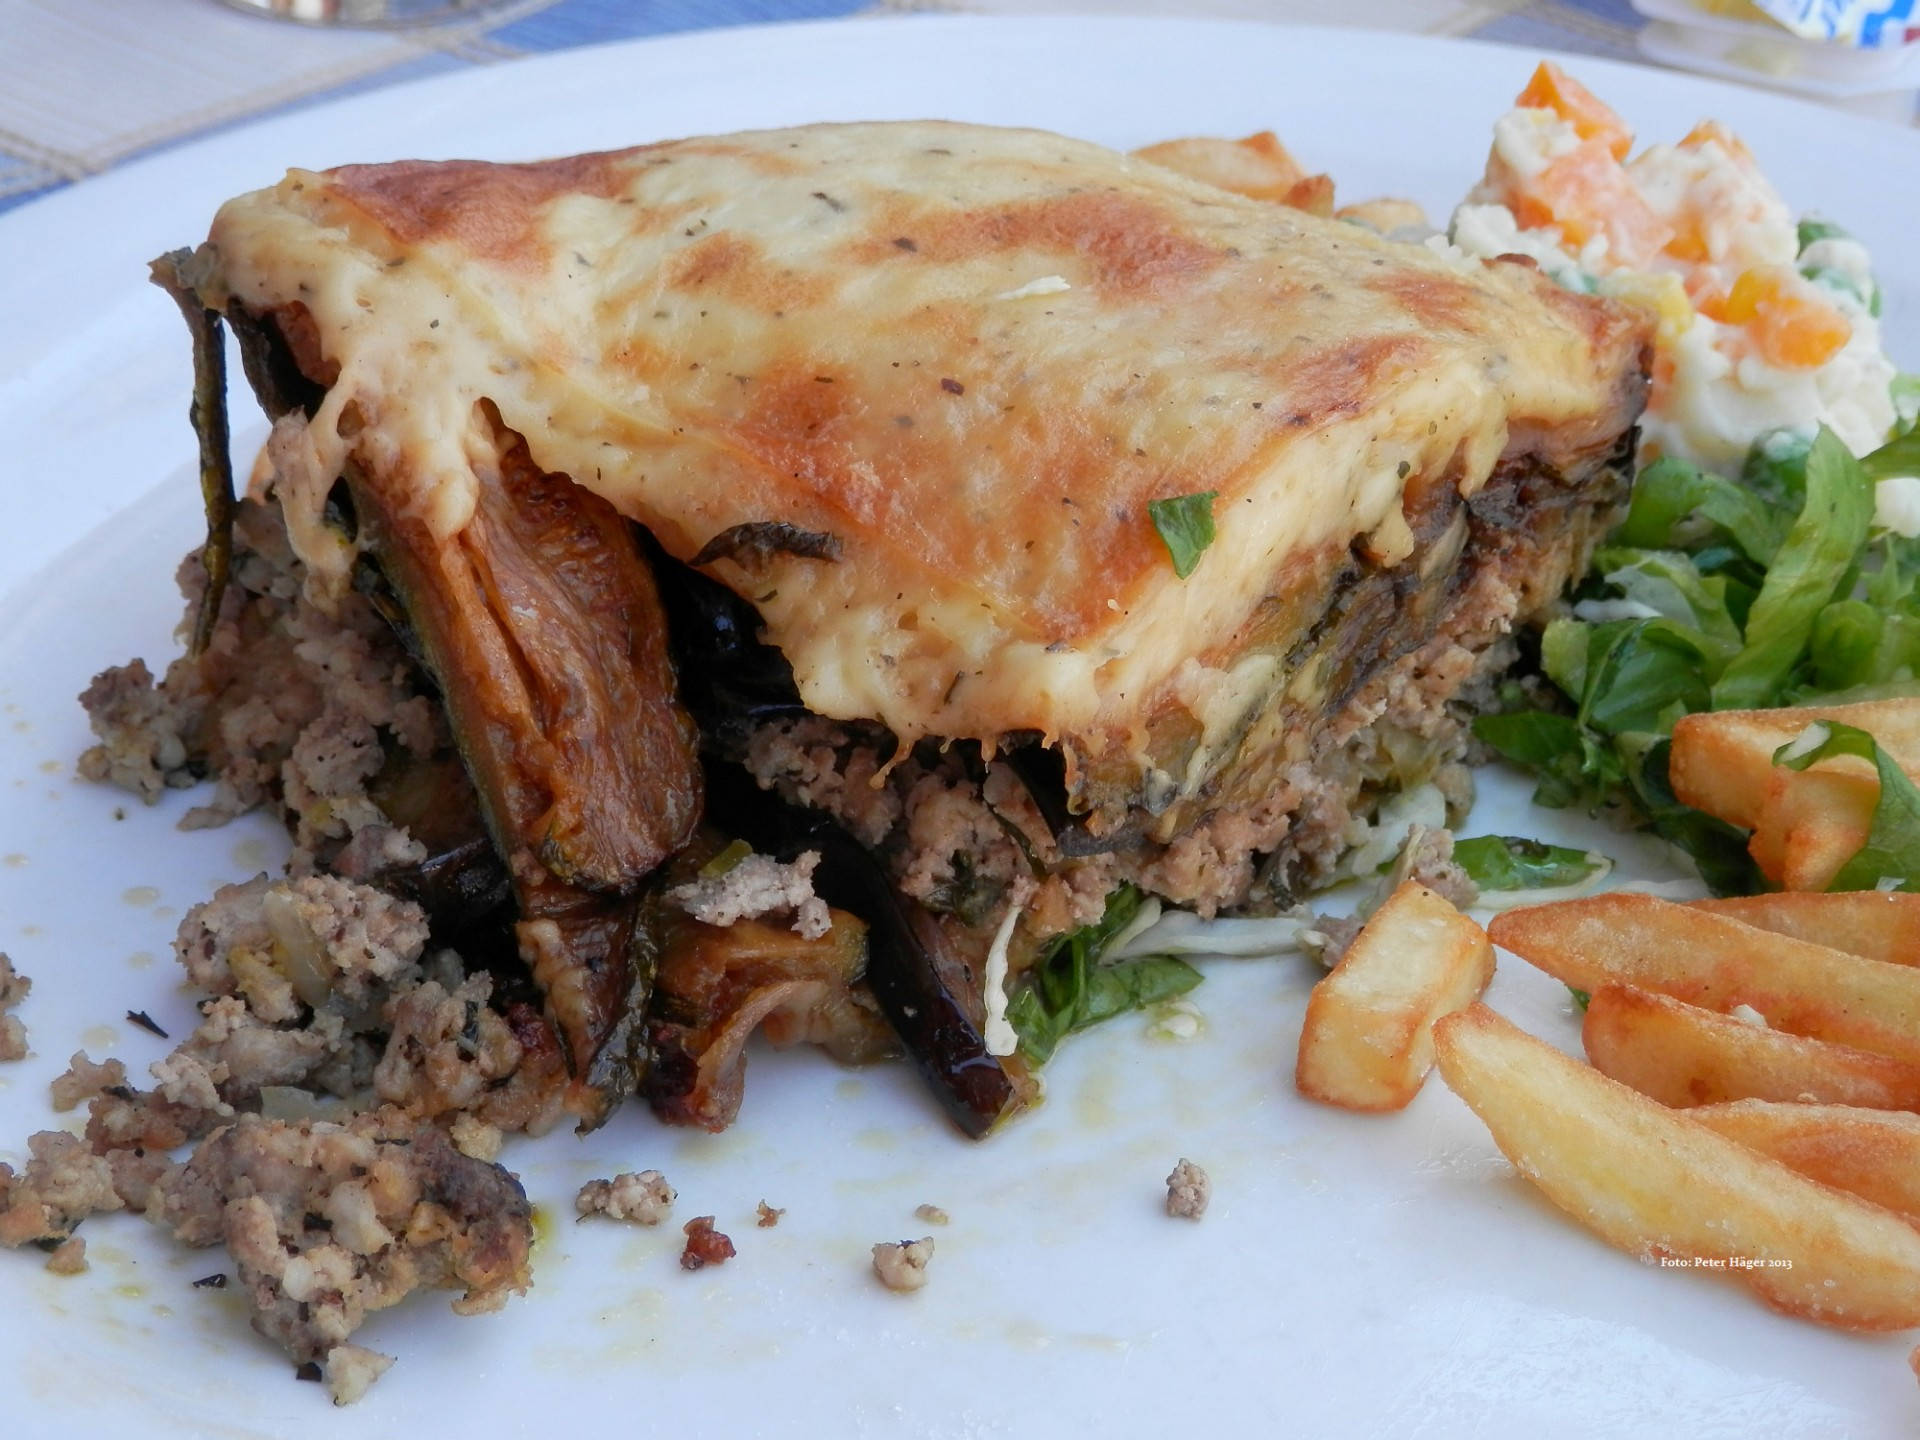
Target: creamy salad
(1765, 323)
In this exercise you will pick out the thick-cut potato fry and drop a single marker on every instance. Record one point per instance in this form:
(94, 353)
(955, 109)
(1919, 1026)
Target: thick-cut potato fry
(1682, 1055)
(1367, 1043)
(1875, 1154)
(1722, 760)
(1715, 961)
(1811, 824)
(1258, 167)
(1664, 1187)
(1880, 926)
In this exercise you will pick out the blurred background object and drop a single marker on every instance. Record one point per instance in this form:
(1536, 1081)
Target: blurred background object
(89, 84)
(1859, 55)
(371, 14)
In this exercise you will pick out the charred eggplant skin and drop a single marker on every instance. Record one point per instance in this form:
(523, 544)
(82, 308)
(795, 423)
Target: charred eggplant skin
(945, 1045)
(179, 273)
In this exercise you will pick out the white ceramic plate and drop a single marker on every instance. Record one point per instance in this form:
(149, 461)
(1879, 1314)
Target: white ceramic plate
(1355, 1275)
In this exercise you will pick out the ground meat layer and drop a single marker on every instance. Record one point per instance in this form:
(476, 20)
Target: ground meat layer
(966, 837)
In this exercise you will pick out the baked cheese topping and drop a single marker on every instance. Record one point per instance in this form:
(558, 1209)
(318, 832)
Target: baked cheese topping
(972, 356)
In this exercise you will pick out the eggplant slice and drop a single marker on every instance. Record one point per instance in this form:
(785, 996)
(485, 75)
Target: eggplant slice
(541, 628)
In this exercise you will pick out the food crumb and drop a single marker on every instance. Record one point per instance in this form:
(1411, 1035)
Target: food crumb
(83, 1080)
(902, 1264)
(13, 1038)
(705, 1245)
(351, 1371)
(69, 1257)
(307, 1370)
(475, 1138)
(932, 1214)
(759, 885)
(769, 1215)
(13, 989)
(642, 1198)
(1188, 1190)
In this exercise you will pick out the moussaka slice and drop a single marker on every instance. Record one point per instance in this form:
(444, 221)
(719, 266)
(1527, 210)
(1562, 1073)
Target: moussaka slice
(1051, 520)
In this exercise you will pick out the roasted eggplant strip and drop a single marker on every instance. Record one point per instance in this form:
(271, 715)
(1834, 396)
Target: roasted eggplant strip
(462, 882)
(730, 678)
(541, 627)
(915, 990)
(716, 986)
(175, 273)
(593, 960)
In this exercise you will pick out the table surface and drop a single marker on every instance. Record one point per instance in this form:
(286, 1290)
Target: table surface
(88, 84)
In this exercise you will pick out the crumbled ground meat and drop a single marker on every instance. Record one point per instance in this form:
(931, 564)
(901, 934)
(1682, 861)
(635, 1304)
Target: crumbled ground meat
(759, 885)
(705, 1245)
(69, 1257)
(642, 1199)
(351, 1371)
(64, 1182)
(931, 1214)
(13, 989)
(1429, 862)
(83, 1080)
(288, 703)
(143, 731)
(447, 1050)
(328, 1223)
(768, 1215)
(475, 1138)
(902, 1264)
(326, 984)
(1188, 1191)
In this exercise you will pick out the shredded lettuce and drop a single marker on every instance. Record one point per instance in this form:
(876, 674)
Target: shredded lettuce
(1717, 594)
(1074, 985)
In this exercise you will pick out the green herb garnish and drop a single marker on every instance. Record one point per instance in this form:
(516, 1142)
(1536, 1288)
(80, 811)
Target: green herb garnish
(1069, 989)
(1892, 851)
(1185, 523)
(1507, 862)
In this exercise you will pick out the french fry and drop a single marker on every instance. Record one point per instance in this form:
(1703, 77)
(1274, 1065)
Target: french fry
(1874, 1154)
(1664, 1187)
(1811, 824)
(1880, 926)
(1722, 760)
(1715, 961)
(1682, 1055)
(1367, 1043)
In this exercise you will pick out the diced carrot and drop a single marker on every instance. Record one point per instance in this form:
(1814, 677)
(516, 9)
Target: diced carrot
(1551, 88)
(1586, 192)
(1688, 243)
(1791, 327)
(1713, 130)
(1801, 334)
